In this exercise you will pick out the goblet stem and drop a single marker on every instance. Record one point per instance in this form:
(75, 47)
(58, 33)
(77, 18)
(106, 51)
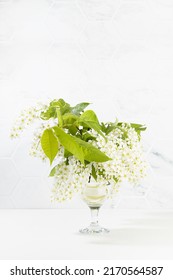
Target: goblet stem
(94, 227)
(94, 216)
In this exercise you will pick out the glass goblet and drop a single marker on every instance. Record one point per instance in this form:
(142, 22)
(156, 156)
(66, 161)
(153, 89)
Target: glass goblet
(94, 196)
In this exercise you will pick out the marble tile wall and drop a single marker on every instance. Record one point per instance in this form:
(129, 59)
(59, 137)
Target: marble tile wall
(116, 54)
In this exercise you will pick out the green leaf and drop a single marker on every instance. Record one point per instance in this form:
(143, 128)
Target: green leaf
(89, 119)
(107, 128)
(103, 127)
(140, 127)
(49, 113)
(91, 153)
(136, 126)
(76, 110)
(73, 129)
(93, 173)
(111, 127)
(69, 119)
(67, 153)
(58, 102)
(87, 136)
(55, 109)
(79, 148)
(69, 143)
(49, 144)
(61, 104)
(53, 171)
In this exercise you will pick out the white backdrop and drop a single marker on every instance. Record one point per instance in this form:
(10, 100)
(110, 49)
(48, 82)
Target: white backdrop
(116, 54)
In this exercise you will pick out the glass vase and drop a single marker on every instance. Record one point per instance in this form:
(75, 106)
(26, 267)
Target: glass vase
(94, 196)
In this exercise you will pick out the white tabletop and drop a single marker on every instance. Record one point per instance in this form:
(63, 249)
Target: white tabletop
(53, 234)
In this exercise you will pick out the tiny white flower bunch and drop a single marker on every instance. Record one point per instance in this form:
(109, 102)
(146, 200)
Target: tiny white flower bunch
(83, 148)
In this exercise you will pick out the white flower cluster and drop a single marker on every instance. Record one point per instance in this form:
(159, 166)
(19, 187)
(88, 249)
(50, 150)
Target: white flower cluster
(27, 117)
(122, 145)
(69, 179)
(127, 162)
(126, 153)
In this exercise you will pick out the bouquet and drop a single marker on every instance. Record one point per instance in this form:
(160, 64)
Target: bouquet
(80, 149)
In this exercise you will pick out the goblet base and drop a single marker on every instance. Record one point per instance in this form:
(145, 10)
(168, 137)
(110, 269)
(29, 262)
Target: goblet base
(94, 229)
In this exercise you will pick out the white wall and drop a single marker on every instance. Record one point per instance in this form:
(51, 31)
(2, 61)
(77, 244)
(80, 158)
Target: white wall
(116, 54)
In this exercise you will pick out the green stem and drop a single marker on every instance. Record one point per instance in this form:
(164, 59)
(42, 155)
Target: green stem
(59, 116)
